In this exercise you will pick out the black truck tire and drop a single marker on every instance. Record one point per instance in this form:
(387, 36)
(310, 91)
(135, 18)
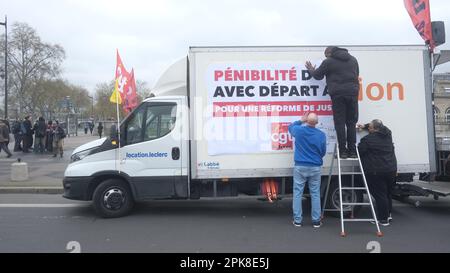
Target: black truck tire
(333, 199)
(112, 198)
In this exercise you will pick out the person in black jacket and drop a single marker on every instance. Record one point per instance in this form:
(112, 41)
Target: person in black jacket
(39, 135)
(100, 129)
(342, 76)
(17, 132)
(380, 166)
(27, 131)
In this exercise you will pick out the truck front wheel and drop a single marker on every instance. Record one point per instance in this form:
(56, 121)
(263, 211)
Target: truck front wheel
(112, 198)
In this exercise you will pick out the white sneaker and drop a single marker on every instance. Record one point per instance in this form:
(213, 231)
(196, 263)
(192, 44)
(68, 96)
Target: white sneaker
(390, 218)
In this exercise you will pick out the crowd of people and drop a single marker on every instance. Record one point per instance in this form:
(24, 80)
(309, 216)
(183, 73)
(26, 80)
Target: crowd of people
(39, 137)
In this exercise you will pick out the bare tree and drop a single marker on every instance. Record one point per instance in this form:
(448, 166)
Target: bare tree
(142, 90)
(48, 97)
(30, 62)
(103, 107)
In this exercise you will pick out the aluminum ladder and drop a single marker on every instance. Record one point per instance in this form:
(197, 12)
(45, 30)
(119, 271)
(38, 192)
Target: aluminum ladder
(352, 161)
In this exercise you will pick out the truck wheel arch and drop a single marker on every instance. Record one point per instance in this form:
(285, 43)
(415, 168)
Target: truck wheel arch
(99, 177)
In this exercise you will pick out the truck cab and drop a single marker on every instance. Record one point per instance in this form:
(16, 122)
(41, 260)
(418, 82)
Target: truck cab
(152, 160)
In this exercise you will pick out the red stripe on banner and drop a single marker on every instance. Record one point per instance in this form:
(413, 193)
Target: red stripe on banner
(265, 108)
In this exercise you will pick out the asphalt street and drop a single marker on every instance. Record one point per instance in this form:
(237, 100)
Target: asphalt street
(50, 223)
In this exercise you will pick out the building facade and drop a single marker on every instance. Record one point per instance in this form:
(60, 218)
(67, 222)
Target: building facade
(442, 120)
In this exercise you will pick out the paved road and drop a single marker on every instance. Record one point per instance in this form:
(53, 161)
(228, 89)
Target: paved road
(46, 223)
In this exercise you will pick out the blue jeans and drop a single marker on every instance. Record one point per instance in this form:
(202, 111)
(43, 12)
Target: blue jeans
(302, 175)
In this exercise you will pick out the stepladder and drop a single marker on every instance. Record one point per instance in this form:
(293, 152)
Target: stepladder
(350, 169)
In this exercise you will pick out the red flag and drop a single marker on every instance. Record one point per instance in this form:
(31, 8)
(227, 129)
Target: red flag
(130, 100)
(122, 80)
(419, 11)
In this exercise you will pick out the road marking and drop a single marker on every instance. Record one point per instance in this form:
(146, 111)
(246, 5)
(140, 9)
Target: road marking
(43, 205)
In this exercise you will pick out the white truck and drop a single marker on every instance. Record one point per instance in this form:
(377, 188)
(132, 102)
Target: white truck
(217, 125)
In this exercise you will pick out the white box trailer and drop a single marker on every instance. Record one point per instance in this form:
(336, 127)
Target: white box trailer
(217, 125)
(395, 80)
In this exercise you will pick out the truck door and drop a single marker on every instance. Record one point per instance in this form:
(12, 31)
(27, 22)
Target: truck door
(152, 146)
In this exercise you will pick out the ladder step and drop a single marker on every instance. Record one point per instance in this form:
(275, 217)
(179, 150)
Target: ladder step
(353, 188)
(346, 173)
(356, 204)
(349, 159)
(358, 220)
(336, 210)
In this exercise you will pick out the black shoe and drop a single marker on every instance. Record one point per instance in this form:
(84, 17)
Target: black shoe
(353, 155)
(384, 223)
(343, 155)
(54, 155)
(317, 224)
(297, 224)
(9, 156)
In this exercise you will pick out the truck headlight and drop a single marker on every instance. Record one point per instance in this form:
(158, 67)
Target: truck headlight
(80, 155)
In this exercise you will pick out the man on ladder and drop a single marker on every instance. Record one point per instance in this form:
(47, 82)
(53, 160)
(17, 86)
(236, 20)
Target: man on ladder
(342, 75)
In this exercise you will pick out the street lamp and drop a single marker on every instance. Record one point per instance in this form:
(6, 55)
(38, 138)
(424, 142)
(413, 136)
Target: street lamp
(6, 65)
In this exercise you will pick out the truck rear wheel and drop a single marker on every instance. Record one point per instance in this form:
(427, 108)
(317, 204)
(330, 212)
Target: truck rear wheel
(333, 201)
(112, 198)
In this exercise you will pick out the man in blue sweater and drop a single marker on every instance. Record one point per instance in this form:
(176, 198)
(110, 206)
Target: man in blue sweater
(310, 148)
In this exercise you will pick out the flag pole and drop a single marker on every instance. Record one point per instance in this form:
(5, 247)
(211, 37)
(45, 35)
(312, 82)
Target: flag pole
(118, 128)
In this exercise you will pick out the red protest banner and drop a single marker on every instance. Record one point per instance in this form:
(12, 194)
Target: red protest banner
(122, 81)
(419, 11)
(130, 99)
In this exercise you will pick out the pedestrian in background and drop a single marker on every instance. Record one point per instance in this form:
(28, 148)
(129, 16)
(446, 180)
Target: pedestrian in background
(91, 127)
(49, 137)
(100, 129)
(17, 132)
(27, 131)
(85, 128)
(58, 137)
(4, 138)
(39, 135)
(310, 148)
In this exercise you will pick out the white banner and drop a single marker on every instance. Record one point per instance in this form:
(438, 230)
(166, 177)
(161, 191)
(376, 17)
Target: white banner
(252, 104)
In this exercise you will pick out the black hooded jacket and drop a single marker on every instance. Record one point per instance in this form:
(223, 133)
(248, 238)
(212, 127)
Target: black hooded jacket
(377, 152)
(342, 72)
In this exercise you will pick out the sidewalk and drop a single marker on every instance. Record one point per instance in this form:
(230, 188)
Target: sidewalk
(45, 172)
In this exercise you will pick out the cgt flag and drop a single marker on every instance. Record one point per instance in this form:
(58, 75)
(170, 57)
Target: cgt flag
(130, 100)
(122, 80)
(419, 11)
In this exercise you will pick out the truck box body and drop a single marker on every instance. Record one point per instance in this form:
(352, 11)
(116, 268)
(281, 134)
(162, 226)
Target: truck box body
(243, 98)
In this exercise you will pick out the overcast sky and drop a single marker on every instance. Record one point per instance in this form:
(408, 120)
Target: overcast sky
(152, 34)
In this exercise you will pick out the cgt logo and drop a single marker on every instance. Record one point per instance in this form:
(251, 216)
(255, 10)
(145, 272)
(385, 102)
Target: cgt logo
(281, 139)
